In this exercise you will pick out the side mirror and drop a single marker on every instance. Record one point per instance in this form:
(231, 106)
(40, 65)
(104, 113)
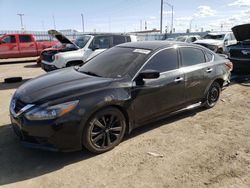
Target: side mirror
(95, 47)
(146, 74)
(149, 74)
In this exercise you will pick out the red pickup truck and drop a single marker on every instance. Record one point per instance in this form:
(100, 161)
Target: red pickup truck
(21, 45)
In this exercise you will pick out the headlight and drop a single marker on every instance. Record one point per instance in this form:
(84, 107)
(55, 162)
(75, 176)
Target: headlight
(51, 112)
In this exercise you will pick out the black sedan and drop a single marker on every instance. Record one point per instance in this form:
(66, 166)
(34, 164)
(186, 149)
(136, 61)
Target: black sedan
(95, 105)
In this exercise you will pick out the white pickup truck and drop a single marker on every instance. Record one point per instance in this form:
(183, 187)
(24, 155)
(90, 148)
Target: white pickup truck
(86, 47)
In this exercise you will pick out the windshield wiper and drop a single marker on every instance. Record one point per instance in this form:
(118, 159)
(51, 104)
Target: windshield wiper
(91, 73)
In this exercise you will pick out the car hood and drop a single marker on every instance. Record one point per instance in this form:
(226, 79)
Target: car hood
(209, 41)
(59, 84)
(242, 32)
(60, 37)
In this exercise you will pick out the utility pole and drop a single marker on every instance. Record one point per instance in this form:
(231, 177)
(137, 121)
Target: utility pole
(82, 22)
(161, 16)
(54, 22)
(140, 25)
(172, 17)
(21, 19)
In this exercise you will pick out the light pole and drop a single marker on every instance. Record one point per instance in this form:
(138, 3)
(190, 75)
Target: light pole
(21, 19)
(172, 17)
(82, 22)
(161, 16)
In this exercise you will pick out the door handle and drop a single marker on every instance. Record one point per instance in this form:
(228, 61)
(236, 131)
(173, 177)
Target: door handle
(209, 70)
(179, 79)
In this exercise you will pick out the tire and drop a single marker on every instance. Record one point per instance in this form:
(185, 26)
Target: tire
(104, 130)
(212, 95)
(13, 79)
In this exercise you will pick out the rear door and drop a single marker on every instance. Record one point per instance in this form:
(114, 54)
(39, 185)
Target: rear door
(9, 47)
(27, 46)
(164, 94)
(195, 69)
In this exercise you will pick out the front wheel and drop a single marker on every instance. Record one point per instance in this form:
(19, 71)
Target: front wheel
(104, 130)
(212, 95)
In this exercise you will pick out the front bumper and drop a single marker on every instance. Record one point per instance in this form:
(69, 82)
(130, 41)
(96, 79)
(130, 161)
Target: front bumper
(48, 66)
(54, 135)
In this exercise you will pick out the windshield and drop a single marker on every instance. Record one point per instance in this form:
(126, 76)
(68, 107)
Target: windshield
(116, 62)
(82, 41)
(216, 37)
(181, 39)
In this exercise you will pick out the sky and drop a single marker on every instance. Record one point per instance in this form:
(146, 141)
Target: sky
(123, 15)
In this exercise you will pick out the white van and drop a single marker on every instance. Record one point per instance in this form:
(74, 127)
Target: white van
(86, 47)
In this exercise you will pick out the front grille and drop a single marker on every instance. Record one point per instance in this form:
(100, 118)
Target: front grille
(19, 105)
(47, 56)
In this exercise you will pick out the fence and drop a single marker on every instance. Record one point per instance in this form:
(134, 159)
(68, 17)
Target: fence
(72, 34)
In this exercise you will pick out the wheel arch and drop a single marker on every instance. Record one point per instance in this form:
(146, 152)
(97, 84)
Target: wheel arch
(73, 62)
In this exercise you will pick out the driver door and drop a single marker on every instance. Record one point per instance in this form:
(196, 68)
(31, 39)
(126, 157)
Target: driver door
(9, 47)
(159, 96)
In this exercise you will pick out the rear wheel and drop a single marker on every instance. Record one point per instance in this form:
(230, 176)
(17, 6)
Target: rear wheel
(212, 95)
(105, 130)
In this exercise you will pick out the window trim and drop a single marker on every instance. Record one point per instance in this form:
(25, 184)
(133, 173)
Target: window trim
(154, 54)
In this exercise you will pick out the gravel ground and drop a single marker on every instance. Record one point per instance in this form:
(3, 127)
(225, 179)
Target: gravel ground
(199, 148)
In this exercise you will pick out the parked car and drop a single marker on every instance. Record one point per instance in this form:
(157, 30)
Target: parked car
(87, 46)
(188, 38)
(239, 53)
(217, 42)
(21, 45)
(122, 88)
(47, 53)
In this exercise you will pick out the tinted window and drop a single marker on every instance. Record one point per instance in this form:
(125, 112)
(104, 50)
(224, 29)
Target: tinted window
(116, 62)
(163, 61)
(191, 56)
(9, 39)
(25, 38)
(102, 42)
(118, 40)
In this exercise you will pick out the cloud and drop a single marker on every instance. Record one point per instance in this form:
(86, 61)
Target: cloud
(167, 12)
(187, 18)
(204, 11)
(241, 3)
(152, 17)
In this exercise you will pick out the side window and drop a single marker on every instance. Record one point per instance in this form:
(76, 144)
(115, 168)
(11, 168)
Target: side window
(191, 56)
(232, 36)
(9, 39)
(25, 38)
(118, 40)
(209, 56)
(102, 42)
(163, 61)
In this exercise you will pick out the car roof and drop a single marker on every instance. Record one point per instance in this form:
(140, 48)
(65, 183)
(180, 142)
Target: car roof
(219, 33)
(154, 45)
(106, 34)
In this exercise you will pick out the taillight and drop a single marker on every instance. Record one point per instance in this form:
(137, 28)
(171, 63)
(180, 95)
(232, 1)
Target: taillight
(229, 65)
